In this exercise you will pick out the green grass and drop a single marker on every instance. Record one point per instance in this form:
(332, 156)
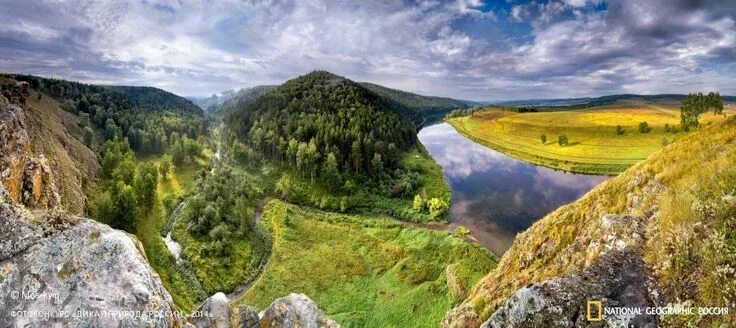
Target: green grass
(594, 146)
(366, 271)
(150, 225)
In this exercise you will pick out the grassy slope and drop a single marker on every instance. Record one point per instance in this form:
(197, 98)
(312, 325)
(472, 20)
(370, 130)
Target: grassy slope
(365, 271)
(594, 147)
(689, 185)
(55, 134)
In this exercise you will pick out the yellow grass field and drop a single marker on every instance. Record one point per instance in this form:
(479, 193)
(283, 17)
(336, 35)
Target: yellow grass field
(593, 145)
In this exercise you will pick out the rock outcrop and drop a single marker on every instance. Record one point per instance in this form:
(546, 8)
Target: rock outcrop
(26, 177)
(66, 271)
(617, 279)
(297, 311)
(292, 311)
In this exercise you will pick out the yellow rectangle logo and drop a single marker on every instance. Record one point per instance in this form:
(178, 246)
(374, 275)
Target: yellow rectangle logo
(594, 311)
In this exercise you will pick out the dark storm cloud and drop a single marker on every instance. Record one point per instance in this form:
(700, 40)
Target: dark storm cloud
(466, 49)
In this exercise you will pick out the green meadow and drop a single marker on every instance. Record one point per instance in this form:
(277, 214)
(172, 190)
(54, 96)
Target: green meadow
(594, 144)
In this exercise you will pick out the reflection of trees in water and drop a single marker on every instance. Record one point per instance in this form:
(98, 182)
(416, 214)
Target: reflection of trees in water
(501, 194)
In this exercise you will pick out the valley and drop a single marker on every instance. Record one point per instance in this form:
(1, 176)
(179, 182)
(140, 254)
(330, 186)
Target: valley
(322, 187)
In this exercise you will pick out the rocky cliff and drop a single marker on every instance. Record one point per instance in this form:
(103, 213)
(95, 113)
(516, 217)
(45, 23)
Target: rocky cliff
(26, 177)
(60, 270)
(660, 233)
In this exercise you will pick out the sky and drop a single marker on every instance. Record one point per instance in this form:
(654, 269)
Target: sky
(467, 49)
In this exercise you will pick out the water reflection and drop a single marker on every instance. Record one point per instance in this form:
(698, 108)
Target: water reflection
(494, 195)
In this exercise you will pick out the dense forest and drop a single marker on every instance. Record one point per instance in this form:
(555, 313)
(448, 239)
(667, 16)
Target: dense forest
(146, 116)
(322, 123)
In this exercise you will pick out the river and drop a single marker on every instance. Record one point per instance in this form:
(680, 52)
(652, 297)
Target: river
(494, 195)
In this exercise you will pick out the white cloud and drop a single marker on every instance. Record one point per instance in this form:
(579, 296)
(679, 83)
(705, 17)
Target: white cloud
(194, 48)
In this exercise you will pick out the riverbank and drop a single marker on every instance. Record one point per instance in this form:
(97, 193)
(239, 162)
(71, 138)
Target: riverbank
(593, 144)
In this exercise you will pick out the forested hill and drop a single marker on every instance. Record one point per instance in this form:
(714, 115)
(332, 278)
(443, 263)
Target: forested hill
(230, 102)
(146, 116)
(426, 105)
(335, 118)
(121, 97)
(157, 99)
(418, 108)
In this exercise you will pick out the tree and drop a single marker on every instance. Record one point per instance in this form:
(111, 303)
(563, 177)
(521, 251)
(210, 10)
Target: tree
(543, 137)
(301, 157)
(125, 170)
(667, 127)
(562, 140)
(165, 167)
(178, 154)
(112, 131)
(123, 207)
(619, 130)
(644, 127)
(331, 173)
(418, 204)
(145, 184)
(437, 207)
(377, 163)
(88, 136)
(312, 158)
(697, 103)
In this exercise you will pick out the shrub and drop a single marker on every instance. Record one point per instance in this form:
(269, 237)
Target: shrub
(543, 138)
(437, 207)
(619, 130)
(418, 204)
(644, 127)
(562, 140)
(462, 231)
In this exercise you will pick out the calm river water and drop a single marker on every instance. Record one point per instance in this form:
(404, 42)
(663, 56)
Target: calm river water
(494, 195)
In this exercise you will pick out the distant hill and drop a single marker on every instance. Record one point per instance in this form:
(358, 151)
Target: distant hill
(425, 106)
(414, 106)
(223, 103)
(579, 103)
(157, 99)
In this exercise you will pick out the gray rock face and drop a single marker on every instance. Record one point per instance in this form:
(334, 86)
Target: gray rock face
(214, 312)
(247, 317)
(617, 279)
(295, 311)
(84, 275)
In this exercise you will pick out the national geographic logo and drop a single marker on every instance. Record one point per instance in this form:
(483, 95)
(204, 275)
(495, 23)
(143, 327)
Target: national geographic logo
(594, 311)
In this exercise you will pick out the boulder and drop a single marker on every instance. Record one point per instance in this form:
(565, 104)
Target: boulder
(617, 279)
(213, 313)
(75, 272)
(247, 317)
(295, 311)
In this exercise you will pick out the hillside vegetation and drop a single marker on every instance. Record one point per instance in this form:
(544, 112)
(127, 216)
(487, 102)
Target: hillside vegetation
(422, 107)
(366, 271)
(345, 141)
(600, 140)
(676, 208)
